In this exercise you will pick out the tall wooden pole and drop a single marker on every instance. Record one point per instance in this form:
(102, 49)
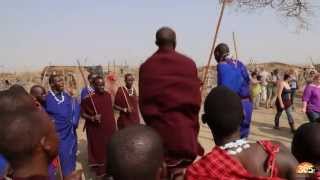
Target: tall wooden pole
(44, 75)
(204, 79)
(235, 44)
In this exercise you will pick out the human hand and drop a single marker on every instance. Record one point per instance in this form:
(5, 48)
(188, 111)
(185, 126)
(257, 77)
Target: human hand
(127, 110)
(96, 118)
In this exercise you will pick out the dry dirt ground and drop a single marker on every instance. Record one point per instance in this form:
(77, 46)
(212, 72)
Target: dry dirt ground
(261, 128)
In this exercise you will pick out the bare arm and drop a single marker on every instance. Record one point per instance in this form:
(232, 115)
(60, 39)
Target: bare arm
(287, 163)
(86, 116)
(118, 108)
(95, 118)
(254, 81)
(304, 108)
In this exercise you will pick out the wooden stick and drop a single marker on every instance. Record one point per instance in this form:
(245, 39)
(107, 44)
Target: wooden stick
(235, 44)
(125, 97)
(44, 75)
(204, 79)
(60, 169)
(86, 84)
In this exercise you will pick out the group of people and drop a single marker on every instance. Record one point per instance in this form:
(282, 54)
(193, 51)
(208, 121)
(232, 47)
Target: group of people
(64, 111)
(36, 129)
(272, 89)
(264, 86)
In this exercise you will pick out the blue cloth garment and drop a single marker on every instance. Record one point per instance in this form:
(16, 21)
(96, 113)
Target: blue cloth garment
(66, 117)
(3, 166)
(234, 75)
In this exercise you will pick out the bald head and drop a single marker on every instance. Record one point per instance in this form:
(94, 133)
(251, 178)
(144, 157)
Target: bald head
(21, 132)
(166, 37)
(39, 93)
(135, 153)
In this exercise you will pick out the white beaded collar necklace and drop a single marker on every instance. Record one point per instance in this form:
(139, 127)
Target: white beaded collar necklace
(56, 98)
(236, 147)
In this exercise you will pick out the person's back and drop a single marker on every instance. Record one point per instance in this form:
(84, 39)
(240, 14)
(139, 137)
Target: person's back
(235, 158)
(135, 153)
(254, 160)
(169, 98)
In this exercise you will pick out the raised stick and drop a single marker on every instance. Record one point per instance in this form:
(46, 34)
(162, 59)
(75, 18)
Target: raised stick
(59, 168)
(44, 75)
(204, 79)
(235, 44)
(86, 84)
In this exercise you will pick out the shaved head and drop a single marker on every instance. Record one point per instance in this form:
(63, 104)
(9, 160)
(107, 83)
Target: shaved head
(21, 132)
(135, 153)
(165, 36)
(305, 143)
(39, 93)
(223, 112)
(18, 136)
(221, 51)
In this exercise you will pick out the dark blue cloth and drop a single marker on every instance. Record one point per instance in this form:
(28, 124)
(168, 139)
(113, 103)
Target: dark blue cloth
(234, 75)
(313, 116)
(3, 165)
(66, 118)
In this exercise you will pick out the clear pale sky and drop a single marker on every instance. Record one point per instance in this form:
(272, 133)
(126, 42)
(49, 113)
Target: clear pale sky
(34, 33)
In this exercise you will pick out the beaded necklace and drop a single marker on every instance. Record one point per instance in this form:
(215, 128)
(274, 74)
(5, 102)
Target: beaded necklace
(236, 147)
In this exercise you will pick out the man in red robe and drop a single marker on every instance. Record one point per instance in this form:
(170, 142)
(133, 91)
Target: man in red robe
(169, 98)
(126, 101)
(100, 125)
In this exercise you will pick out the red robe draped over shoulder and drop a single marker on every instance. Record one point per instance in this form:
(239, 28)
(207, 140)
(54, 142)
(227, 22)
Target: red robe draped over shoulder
(127, 119)
(99, 134)
(169, 98)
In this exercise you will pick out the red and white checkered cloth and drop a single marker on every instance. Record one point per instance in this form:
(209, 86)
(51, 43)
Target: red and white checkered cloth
(219, 165)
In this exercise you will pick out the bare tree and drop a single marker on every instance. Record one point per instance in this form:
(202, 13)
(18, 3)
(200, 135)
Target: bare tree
(297, 10)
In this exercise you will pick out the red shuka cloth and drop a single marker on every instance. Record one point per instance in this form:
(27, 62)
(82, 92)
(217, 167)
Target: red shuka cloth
(169, 98)
(127, 119)
(99, 134)
(218, 164)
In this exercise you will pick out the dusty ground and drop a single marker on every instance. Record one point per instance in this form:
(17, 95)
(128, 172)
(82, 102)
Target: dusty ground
(262, 128)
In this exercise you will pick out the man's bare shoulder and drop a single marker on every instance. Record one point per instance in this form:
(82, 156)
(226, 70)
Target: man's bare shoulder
(287, 163)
